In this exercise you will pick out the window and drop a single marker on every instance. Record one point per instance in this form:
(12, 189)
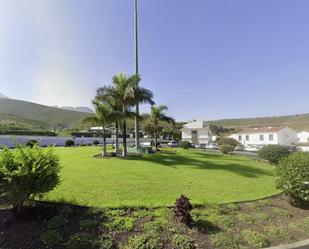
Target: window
(261, 137)
(239, 138)
(247, 137)
(271, 137)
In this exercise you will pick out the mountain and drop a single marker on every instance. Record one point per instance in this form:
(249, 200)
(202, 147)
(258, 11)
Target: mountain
(2, 96)
(12, 110)
(299, 122)
(78, 109)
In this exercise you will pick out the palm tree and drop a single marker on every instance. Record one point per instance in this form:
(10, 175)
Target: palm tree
(108, 95)
(102, 117)
(157, 115)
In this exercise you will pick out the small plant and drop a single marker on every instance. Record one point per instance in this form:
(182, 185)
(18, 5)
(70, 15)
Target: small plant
(66, 212)
(86, 225)
(80, 240)
(223, 240)
(154, 226)
(51, 238)
(302, 226)
(246, 218)
(185, 144)
(26, 173)
(255, 239)
(96, 142)
(144, 241)
(182, 209)
(183, 242)
(226, 148)
(120, 224)
(273, 153)
(292, 176)
(69, 143)
(105, 242)
(278, 233)
(32, 143)
(56, 222)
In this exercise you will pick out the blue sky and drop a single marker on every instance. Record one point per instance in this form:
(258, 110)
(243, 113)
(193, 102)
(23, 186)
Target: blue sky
(205, 59)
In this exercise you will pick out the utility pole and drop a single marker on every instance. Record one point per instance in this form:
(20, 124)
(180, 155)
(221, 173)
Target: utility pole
(137, 135)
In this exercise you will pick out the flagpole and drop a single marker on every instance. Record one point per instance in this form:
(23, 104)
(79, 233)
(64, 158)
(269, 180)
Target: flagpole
(137, 135)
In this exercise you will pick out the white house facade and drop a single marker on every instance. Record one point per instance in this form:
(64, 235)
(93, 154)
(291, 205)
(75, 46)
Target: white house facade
(266, 135)
(303, 141)
(197, 133)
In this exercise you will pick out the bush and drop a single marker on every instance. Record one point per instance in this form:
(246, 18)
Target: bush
(227, 141)
(255, 239)
(226, 148)
(56, 222)
(145, 241)
(273, 153)
(96, 142)
(183, 242)
(185, 144)
(51, 238)
(69, 143)
(79, 241)
(182, 210)
(292, 176)
(32, 143)
(26, 173)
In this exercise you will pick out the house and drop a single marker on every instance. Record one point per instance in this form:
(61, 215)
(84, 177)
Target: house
(197, 132)
(266, 135)
(303, 141)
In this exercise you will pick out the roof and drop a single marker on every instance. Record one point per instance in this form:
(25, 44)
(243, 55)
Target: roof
(196, 124)
(263, 129)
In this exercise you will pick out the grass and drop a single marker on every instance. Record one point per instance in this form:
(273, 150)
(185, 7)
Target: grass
(157, 180)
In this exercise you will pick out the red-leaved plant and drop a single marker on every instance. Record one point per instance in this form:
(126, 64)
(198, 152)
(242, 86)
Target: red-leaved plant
(182, 210)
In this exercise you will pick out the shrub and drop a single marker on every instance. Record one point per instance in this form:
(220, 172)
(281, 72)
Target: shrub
(226, 148)
(227, 141)
(69, 143)
(120, 224)
(182, 210)
(145, 241)
(50, 238)
(105, 242)
(273, 153)
(292, 176)
(79, 241)
(223, 240)
(183, 242)
(56, 222)
(27, 173)
(96, 142)
(32, 143)
(255, 239)
(185, 144)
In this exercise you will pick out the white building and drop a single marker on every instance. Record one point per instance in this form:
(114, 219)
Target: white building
(266, 135)
(197, 133)
(303, 141)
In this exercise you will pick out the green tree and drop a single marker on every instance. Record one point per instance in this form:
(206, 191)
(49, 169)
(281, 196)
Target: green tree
(156, 116)
(27, 173)
(103, 117)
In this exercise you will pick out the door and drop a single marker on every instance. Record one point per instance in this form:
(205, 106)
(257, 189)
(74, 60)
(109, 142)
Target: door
(194, 137)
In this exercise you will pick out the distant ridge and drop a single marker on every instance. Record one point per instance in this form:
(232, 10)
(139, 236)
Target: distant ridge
(77, 109)
(46, 116)
(2, 96)
(299, 122)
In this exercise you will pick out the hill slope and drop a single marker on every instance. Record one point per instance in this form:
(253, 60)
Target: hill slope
(298, 122)
(38, 115)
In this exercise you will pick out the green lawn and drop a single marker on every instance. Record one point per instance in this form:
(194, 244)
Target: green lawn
(157, 180)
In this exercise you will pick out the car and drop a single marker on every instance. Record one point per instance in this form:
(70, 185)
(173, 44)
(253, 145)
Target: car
(212, 146)
(172, 143)
(253, 148)
(240, 147)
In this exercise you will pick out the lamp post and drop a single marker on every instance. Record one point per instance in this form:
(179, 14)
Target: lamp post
(137, 137)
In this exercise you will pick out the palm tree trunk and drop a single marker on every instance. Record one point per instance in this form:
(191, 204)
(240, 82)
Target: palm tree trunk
(156, 137)
(124, 139)
(104, 154)
(117, 139)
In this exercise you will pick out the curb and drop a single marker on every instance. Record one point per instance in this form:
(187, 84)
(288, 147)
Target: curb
(304, 244)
